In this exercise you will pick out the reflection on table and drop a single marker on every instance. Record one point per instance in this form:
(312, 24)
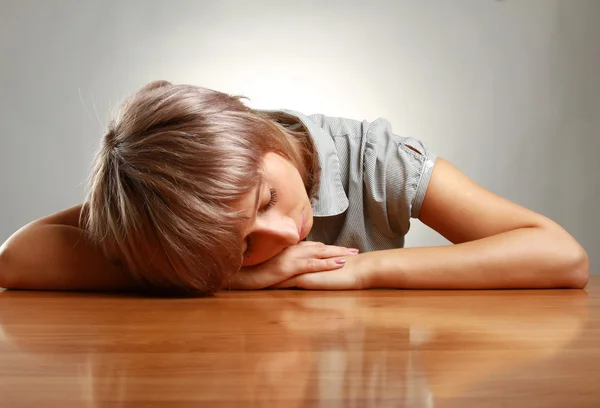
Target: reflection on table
(291, 348)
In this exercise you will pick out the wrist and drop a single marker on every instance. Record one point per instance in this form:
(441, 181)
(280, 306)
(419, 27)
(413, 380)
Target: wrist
(382, 269)
(370, 267)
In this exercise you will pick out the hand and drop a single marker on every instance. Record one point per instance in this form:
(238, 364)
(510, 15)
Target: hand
(353, 276)
(304, 257)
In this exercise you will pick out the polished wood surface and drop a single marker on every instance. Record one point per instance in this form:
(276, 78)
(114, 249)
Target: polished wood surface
(303, 349)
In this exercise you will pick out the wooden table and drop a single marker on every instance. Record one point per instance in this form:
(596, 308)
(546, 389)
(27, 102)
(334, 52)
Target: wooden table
(303, 349)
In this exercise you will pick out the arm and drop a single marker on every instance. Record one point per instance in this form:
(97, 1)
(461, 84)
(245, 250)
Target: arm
(53, 253)
(498, 244)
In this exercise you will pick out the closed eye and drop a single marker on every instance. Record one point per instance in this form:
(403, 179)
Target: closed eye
(272, 200)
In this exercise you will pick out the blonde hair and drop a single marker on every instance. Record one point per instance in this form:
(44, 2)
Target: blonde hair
(169, 168)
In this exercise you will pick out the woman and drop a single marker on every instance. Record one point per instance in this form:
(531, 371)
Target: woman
(192, 191)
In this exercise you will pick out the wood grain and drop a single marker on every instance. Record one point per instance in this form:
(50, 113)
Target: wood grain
(302, 349)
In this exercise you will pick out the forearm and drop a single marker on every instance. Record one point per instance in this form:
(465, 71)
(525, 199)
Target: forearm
(521, 258)
(57, 257)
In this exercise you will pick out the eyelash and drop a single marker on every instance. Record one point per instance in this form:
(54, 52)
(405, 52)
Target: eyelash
(269, 205)
(272, 201)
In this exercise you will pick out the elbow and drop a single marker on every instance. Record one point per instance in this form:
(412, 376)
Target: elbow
(3, 268)
(577, 270)
(567, 262)
(6, 274)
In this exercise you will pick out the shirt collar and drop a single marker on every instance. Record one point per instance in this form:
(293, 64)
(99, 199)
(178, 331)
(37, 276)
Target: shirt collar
(331, 197)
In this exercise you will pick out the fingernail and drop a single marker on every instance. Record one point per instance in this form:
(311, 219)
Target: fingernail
(340, 261)
(353, 250)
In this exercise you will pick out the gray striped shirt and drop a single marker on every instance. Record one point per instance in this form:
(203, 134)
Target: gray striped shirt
(372, 182)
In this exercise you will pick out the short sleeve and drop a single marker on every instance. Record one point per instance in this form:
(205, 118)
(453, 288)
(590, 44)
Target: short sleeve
(396, 174)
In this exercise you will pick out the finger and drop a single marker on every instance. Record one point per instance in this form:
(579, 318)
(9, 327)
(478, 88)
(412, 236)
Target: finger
(330, 251)
(335, 280)
(309, 243)
(319, 265)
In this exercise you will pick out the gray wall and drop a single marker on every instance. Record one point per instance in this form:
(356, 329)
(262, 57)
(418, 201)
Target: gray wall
(507, 90)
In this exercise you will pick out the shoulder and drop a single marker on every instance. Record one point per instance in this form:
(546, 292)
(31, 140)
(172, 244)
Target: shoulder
(339, 126)
(319, 124)
(377, 131)
(70, 217)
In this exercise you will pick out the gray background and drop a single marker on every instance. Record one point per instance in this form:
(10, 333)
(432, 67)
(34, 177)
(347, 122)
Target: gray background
(509, 91)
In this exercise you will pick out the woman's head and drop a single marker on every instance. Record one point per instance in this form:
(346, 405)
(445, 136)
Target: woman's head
(173, 180)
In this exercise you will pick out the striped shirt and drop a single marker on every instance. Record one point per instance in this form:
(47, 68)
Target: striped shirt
(372, 182)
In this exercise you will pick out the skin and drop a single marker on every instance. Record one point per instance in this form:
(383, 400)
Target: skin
(498, 244)
(280, 223)
(279, 219)
(51, 253)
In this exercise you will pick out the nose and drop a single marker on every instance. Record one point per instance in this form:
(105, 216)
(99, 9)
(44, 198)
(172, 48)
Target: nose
(278, 228)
